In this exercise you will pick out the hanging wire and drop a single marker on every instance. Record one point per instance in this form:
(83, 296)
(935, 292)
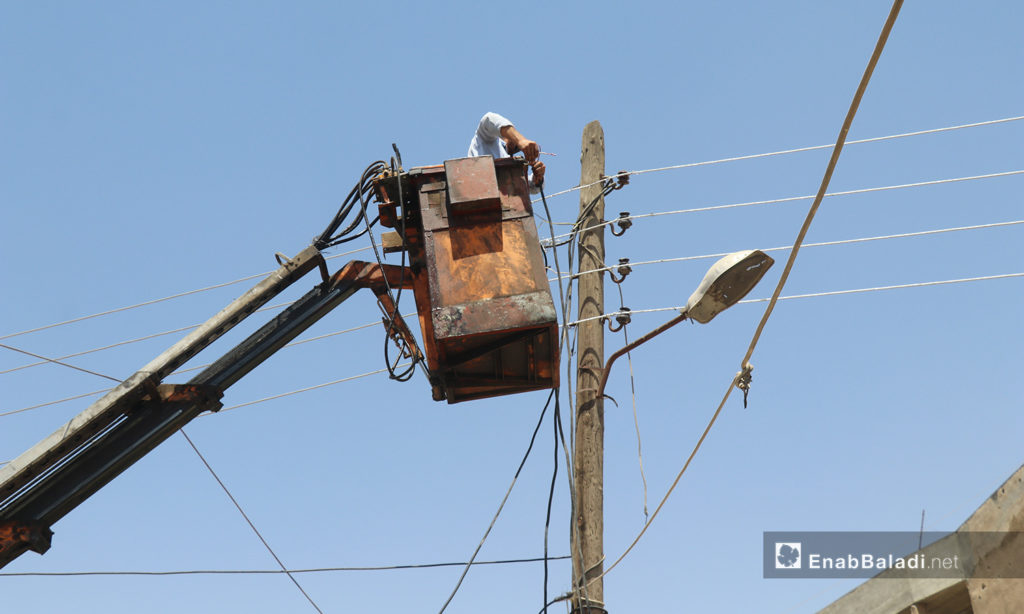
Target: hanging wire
(745, 364)
(249, 522)
(501, 506)
(565, 300)
(632, 388)
(247, 572)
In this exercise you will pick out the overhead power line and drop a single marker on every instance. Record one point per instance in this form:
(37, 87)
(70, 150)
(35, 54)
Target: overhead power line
(198, 572)
(921, 284)
(569, 324)
(158, 300)
(902, 235)
(127, 342)
(309, 388)
(566, 191)
(185, 328)
(48, 403)
(638, 216)
(795, 150)
(57, 362)
(788, 199)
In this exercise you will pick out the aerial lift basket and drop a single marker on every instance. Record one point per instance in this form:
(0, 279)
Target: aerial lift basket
(482, 294)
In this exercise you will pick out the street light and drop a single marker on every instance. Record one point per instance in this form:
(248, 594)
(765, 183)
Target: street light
(724, 285)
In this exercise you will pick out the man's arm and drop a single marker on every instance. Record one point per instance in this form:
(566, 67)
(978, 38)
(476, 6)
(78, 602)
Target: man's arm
(493, 126)
(515, 141)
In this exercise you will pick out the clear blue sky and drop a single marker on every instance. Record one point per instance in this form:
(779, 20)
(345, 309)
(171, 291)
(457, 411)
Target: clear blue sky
(152, 150)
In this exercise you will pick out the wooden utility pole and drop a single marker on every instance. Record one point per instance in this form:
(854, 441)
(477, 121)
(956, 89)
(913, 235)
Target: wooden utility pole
(587, 535)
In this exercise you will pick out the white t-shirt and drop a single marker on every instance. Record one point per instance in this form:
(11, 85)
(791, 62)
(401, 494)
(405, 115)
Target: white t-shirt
(487, 140)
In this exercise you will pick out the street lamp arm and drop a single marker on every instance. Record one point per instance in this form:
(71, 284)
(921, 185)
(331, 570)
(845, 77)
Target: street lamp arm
(654, 333)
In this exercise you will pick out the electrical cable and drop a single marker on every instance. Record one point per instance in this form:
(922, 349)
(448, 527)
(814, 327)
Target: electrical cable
(572, 189)
(302, 342)
(575, 322)
(212, 472)
(193, 572)
(568, 276)
(508, 492)
(306, 389)
(555, 419)
(636, 416)
(160, 300)
(48, 403)
(565, 300)
(406, 375)
(128, 342)
(745, 364)
(798, 150)
(396, 165)
(57, 362)
(920, 284)
(578, 187)
(331, 236)
(902, 235)
(249, 522)
(772, 201)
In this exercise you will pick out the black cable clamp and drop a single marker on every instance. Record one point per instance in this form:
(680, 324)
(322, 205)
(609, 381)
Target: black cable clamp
(623, 269)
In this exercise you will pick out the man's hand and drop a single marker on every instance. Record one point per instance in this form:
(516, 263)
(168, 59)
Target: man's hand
(529, 148)
(538, 172)
(515, 141)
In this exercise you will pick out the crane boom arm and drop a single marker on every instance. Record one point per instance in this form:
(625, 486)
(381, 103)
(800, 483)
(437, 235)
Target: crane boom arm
(50, 479)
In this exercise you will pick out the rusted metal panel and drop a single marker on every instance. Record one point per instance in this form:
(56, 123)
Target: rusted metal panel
(502, 314)
(472, 185)
(485, 308)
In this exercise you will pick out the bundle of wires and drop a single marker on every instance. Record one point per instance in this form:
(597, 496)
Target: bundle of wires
(331, 236)
(359, 225)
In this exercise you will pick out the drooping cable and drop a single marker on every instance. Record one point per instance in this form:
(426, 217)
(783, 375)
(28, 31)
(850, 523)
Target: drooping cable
(501, 506)
(57, 362)
(636, 415)
(249, 522)
(556, 418)
(565, 300)
(745, 364)
(246, 572)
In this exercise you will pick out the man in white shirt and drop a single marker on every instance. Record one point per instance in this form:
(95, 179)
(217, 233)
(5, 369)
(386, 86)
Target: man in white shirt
(497, 137)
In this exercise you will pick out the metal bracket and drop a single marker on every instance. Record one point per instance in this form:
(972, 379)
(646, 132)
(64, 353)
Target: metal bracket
(622, 318)
(623, 269)
(623, 222)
